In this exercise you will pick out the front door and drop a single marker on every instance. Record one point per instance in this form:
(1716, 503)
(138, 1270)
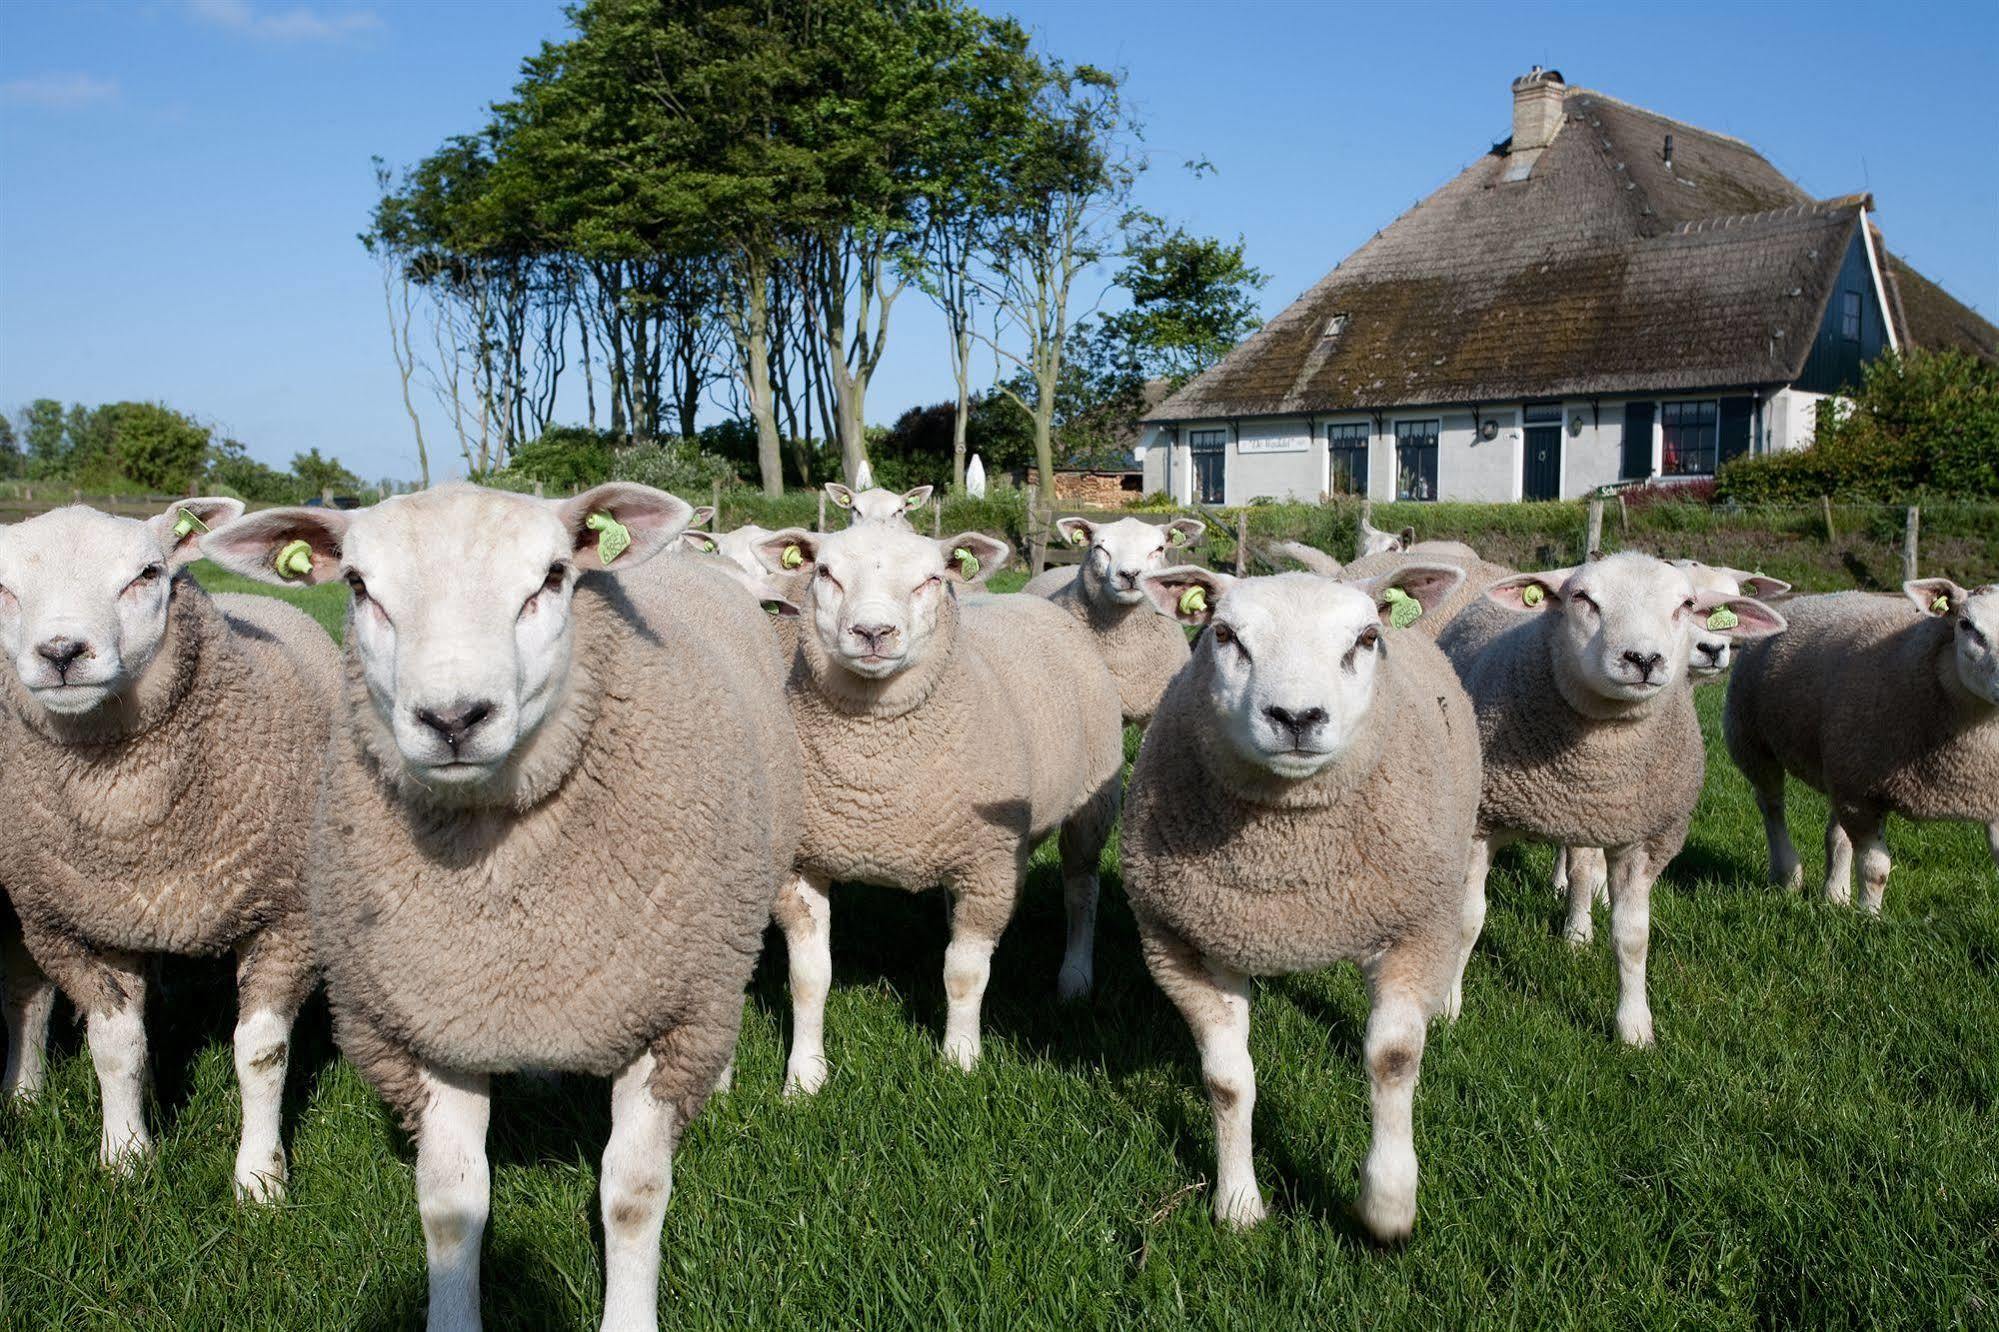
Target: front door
(1541, 477)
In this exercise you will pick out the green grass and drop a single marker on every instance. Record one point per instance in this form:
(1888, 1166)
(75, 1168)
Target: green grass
(326, 603)
(1813, 1143)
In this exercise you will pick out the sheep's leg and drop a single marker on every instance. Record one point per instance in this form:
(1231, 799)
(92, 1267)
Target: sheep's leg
(273, 976)
(1874, 863)
(1786, 870)
(1471, 920)
(1394, 1052)
(977, 917)
(27, 999)
(1631, 931)
(1594, 866)
(1838, 863)
(453, 1193)
(1992, 842)
(1083, 838)
(1562, 872)
(116, 1034)
(1589, 883)
(805, 914)
(636, 1182)
(1215, 1002)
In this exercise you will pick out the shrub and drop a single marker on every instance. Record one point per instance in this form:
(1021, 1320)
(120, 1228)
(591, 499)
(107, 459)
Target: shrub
(566, 458)
(677, 465)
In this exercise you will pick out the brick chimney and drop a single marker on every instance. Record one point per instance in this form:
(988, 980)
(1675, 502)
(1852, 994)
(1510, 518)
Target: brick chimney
(1537, 118)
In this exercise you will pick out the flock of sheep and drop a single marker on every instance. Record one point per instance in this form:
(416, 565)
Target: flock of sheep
(539, 811)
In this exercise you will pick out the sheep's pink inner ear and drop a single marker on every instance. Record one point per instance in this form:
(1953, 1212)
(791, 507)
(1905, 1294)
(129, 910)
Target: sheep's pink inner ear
(182, 526)
(1757, 585)
(788, 552)
(1524, 592)
(252, 545)
(651, 519)
(1753, 619)
(1935, 596)
(1075, 531)
(970, 556)
(1186, 593)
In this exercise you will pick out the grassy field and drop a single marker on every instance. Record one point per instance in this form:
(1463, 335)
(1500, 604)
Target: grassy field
(1813, 1143)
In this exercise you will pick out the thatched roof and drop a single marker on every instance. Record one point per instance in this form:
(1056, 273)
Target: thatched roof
(1602, 271)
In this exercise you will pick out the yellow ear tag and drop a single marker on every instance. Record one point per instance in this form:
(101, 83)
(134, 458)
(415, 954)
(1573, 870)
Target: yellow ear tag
(968, 563)
(703, 544)
(1193, 601)
(792, 557)
(295, 560)
(1531, 595)
(1721, 617)
(1942, 604)
(187, 523)
(1403, 609)
(613, 537)
(1078, 539)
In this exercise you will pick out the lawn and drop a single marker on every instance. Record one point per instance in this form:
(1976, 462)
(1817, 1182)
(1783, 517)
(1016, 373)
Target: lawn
(1813, 1142)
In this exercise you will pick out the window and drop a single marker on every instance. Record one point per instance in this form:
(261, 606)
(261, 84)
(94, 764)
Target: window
(1210, 461)
(1849, 315)
(1416, 460)
(1690, 438)
(1346, 458)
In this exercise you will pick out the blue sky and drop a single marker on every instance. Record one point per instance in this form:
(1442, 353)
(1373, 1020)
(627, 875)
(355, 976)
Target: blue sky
(181, 180)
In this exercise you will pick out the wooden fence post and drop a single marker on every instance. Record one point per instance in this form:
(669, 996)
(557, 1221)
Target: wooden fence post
(937, 516)
(538, 495)
(1909, 544)
(1825, 503)
(715, 503)
(822, 513)
(1037, 536)
(1593, 537)
(1623, 520)
(1241, 542)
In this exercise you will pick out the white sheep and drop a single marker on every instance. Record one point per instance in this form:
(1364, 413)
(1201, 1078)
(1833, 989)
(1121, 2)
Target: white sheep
(163, 748)
(558, 805)
(1884, 703)
(1373, 541)
(27, 1001)
(944, 738)
(1306, 794)
(877, 506)
(1141, 649)
(1589, 734)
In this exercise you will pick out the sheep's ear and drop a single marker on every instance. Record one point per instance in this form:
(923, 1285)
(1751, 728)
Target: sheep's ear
(1530, 591)
(180, 528)
(704, 516)
(917, 498)
(785, 553)
(1761, 586)
(1184, 531)
(702, 542)
(1076, 531)
(1186, 592)
(840, 495)
(622, 524)
(1407, 536)
(1427, 585)
(1742, 618)
(1935, 596)
(283, 546)
(972, 556)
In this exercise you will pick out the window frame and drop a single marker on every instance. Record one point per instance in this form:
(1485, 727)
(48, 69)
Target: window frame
(1210, 445)
(1341, 442)
(1711, 425)
(1434, 435)
(1852, 312)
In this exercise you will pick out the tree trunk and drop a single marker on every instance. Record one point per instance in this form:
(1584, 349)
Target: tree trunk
(962, 418)
(763, 408)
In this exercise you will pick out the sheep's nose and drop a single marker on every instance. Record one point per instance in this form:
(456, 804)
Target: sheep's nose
(876, 636)
(1300, 724)
(1712, 651)
(1129, 577)
(454, 723)
(61, 653)
(1646, 662)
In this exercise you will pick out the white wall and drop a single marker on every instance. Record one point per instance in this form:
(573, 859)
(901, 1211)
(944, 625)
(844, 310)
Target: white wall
(1470, 468)
(1278, 458)
(1791, 418)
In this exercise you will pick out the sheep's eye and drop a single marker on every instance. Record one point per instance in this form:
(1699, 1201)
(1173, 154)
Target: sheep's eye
(1369, 636)
(558, 574)
(1688, 604)
(1584, 599)
(149, 575)
(1223, 634)
(357, 585)
(933, 580)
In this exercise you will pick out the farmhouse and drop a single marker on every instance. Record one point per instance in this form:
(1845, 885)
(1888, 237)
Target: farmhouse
(1608, 295)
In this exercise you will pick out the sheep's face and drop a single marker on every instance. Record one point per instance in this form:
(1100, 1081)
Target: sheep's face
(1290, 663)
(1121, 553)
(1625, 625)
(877, 591)
(877, 506)
(84, 597)
(461, 604)
(1374, 541)
(1712, 649)
(1974, 616)
(736, 553)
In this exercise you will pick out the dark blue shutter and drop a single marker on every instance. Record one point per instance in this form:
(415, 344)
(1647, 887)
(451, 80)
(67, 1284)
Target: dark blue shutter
(1736, 415)
(1637, 441)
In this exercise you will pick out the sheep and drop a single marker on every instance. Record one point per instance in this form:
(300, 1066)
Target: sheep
(1589, 735)
(1307, 794)
(1309, 558)
(1142, 650)
(944, 737)
(557, 808)
(1886, 704)
(163, 748)
(27, 1001)
(1479, 575)
(877, 506)
(1372, 540)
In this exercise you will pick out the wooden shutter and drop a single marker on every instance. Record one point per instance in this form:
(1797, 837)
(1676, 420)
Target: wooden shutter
(1637, 441)
(1737, 414)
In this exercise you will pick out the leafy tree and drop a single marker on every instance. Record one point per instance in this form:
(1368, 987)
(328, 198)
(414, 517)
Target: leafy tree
(317, 475)
(232, 469)
(13, 462)
(1193, 298)
(44, 434)
(154, 446)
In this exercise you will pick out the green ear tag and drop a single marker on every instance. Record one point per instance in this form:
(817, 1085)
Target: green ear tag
(968, 563)
(1403, 609)
(1721, 617)
(1531, 595)
(1193, 601)
(613, 537)
(1078, 539)
(792, 557)
(187, 523)
(772, 609)
(295, 560)
(1942, 604)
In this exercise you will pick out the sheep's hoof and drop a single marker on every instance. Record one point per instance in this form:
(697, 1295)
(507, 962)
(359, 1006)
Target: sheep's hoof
(1389, 1214)
(122, 1156)
(962, 1051)
(1241, 1209)
(727, 1079)
(1635, 1029)
(261, 1186)
(1791, 880)
(1073, 983)
(1579, 936)
(804, 1078)
(1454, 1002)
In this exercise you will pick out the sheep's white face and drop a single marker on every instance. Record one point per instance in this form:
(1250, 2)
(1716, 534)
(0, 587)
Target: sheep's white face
(1290, 661)
(1374, 541)
(1625, 624)
(1712, 650)
(1122, 552)
(737, 553)
(877, 590)
(461, 610)
(877, 506)
(1975, 615)
(84, 598)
